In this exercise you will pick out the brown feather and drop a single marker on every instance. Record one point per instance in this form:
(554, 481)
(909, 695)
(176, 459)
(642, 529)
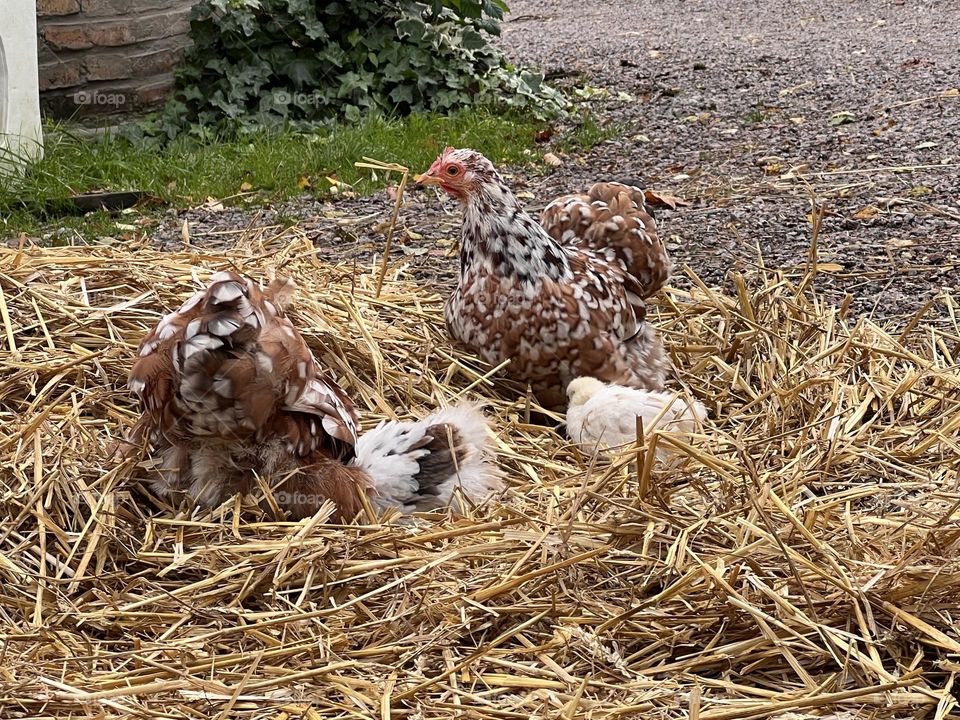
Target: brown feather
(446, 453)
(612, 216)
(302, 494)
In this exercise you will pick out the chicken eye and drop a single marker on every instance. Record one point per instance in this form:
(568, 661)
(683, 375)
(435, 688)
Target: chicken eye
(453, 170)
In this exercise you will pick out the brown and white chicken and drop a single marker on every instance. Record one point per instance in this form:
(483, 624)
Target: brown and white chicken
(230, 393)
(560, 298)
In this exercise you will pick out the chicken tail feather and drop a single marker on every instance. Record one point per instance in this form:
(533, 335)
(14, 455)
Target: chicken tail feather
(420, 465)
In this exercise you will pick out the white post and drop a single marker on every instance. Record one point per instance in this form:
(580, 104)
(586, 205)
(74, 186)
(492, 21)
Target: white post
(21, 137)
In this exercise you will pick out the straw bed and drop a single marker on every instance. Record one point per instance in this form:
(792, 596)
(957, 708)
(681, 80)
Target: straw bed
(802, 559)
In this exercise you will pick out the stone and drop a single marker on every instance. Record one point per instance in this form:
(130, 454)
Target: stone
(47, 8)
(129, 8)
(111, 34)
(66, 37)
(104, 57)
(60, 75)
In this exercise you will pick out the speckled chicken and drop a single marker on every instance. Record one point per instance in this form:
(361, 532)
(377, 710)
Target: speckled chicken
(230, 393)
(560, 299)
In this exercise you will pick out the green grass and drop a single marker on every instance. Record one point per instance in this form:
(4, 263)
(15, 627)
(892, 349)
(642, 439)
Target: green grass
(272, 165)
(587, 133)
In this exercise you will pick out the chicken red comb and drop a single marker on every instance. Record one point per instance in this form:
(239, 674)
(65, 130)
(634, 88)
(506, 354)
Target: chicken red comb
(441, 158)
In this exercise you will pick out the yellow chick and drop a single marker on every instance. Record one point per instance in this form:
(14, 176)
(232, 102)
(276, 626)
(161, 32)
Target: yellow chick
(603, 415)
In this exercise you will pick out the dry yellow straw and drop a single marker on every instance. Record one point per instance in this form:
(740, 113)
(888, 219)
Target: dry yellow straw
(801, 556)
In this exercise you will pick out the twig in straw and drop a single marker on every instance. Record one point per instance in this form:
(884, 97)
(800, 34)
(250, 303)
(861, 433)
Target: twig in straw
(387, 167)
(816, 217)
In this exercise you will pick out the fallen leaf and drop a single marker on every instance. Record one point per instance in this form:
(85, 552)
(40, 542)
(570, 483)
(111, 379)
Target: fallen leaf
(185, 232)
(544, 135)
(412, 235)
(830, 267)
(552, 160)
(900, 243)
(415, 251)
(867, 213)
(304, 182)
(795, 88)
(524, 195)
(662, 199)
(245, 186)
(843, 117)
(919, 190)
(925, 145)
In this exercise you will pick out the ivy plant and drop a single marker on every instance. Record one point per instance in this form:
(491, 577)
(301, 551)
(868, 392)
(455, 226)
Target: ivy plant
(300, 63)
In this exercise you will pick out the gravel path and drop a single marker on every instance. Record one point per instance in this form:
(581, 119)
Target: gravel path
(737, 106)
(744, 109)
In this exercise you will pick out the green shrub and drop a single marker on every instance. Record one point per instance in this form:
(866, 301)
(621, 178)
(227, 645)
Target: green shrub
(299, 63)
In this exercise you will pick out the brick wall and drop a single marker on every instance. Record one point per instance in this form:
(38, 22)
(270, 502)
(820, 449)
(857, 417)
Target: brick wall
(108, 57)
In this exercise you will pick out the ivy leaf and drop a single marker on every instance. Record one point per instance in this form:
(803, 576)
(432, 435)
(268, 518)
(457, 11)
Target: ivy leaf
(412, 28)
(402, 94)
(472, 40)
(301, 72)
(842, 118)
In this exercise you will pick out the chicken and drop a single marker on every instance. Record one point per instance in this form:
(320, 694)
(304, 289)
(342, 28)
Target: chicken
(230, 392)
(558, 301)
(601, 415)
(612, 216)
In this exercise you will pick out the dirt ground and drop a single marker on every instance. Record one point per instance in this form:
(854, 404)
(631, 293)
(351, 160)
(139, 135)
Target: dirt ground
(746, 110)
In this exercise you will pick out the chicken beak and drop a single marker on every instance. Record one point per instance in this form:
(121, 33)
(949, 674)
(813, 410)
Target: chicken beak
(427, 179)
